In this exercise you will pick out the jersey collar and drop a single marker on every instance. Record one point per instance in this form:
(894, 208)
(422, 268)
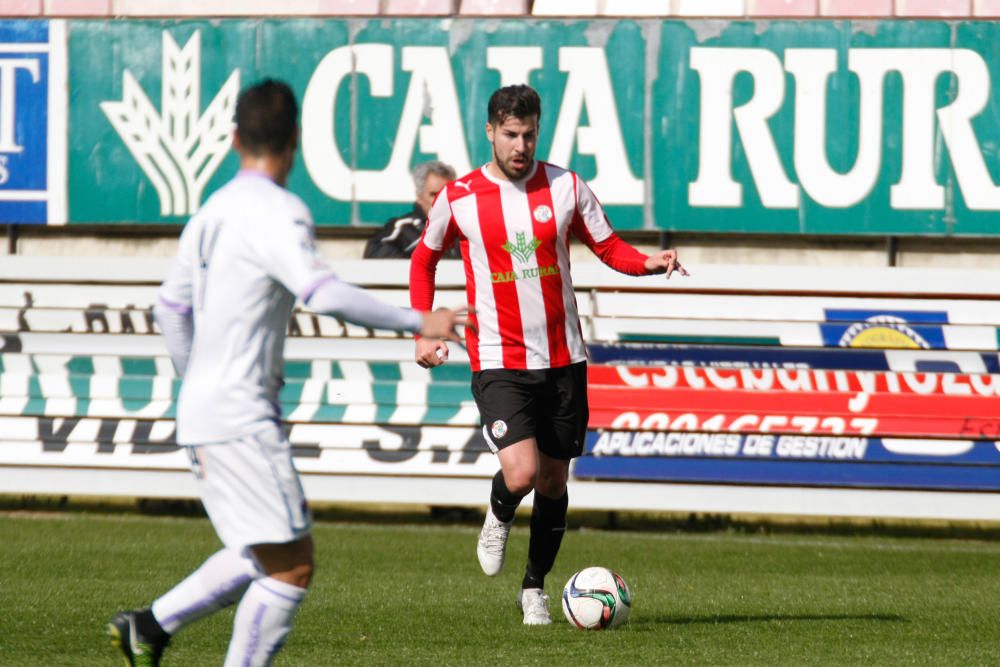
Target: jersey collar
(518, 183)
(253, 173)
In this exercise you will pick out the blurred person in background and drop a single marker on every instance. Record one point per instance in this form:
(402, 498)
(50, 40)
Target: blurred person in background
(400, 235)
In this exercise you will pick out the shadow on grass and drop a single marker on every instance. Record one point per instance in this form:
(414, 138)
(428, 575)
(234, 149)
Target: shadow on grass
(650, 622)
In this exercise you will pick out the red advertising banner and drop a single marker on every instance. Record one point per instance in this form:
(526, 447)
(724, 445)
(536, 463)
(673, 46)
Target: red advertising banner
(796, 380)
(944, 405)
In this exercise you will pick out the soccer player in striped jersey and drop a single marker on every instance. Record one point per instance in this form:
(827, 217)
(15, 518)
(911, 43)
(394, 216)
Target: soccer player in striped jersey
(513, 219)
(242, 261)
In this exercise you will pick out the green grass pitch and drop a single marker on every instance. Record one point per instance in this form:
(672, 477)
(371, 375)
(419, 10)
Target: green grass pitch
(412, 594)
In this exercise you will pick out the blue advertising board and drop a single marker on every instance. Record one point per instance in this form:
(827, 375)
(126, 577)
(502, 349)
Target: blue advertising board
(790, 460)
(881, 328)
(32, 122)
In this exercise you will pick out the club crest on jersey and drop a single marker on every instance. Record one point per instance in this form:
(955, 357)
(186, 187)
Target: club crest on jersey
(542, 213)
(499, 429)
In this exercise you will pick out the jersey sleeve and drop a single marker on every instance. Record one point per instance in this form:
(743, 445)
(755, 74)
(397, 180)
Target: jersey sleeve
(287, 250)
(590, 225)
(439, 233)
(423, 267)
(439, 223)
(177, 291)
(591, 213)
(175, 302)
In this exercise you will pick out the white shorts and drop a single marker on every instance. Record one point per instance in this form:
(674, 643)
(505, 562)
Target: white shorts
(251, 490)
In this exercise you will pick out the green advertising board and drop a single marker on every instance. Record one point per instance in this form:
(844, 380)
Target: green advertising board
(817, 127)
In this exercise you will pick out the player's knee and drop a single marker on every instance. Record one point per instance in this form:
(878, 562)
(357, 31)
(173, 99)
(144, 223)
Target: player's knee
(551, 486)
(551, 483)
(300, 574)
(521, 480)
(291, 563)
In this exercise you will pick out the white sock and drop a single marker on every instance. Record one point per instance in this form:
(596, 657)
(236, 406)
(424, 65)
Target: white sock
(263, 620)
(218, 583)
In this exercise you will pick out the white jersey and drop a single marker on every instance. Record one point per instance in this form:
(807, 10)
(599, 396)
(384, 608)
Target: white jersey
(242, 260)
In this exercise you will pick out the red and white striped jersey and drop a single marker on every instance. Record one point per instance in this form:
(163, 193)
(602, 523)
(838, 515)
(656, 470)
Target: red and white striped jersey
(514, 238)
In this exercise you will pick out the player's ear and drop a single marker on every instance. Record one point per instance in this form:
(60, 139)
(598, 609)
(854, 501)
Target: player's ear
(489, 131)
(237, 144)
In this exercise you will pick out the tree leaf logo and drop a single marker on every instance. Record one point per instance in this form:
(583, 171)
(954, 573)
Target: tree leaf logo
(523, 249)
(178, 149)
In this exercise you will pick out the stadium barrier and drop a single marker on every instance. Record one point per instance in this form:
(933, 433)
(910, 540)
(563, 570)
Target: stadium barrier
(798, 9)
(742, 389)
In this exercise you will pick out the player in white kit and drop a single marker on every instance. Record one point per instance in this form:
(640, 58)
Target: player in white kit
(242, 262)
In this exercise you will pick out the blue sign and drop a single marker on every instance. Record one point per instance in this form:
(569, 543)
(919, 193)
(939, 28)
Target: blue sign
(885, 329)
(32, 113)
(910, 316)
(790, 460)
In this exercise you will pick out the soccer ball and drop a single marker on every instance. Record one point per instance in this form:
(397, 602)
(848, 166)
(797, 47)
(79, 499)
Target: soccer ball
(595, 598)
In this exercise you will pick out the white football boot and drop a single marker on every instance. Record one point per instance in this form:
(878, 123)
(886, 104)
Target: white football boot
(492, 545)
(535, 605)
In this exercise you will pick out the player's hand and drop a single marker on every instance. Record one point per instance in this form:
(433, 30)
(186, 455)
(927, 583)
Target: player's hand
(439, 325)
(431, 352)
(442, 323)
(665, 261)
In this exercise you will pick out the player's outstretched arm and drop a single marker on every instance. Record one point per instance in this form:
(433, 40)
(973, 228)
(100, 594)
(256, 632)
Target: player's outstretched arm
(665, 261)
(357, 306)
(592, 224)
(353, 304)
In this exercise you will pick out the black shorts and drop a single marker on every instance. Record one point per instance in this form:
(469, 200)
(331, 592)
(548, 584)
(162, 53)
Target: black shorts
(549, 405)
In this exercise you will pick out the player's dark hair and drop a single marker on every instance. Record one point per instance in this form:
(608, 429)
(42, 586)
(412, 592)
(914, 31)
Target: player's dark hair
(519, 101)
(266, 117)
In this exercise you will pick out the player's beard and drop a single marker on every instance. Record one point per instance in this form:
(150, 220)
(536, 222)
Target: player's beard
(508, 171)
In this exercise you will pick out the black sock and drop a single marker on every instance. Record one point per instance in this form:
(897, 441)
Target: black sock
(548, 524)
(149, 627)
(502, 501)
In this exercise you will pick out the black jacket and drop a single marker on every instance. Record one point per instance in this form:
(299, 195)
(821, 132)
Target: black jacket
(399, 237)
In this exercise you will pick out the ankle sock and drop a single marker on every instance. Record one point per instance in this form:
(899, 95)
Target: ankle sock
(548, 525)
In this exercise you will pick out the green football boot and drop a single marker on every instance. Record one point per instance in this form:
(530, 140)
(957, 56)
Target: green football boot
(139, 650)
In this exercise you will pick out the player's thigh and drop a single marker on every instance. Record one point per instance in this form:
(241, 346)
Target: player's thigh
(251, 490)
(563, 400)
(506, 405)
